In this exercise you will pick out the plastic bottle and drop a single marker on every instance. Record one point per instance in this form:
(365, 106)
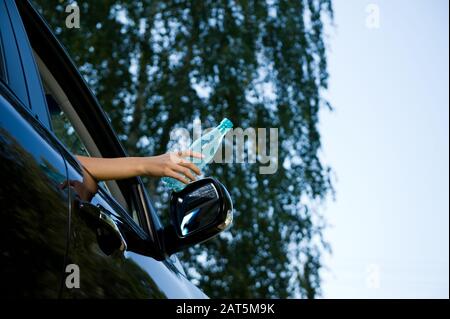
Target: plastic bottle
(207, 145)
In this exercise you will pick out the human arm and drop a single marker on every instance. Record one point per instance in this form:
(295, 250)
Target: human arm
(172, 165)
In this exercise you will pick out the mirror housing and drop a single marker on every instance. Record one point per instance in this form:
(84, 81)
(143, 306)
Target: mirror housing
(200, 211)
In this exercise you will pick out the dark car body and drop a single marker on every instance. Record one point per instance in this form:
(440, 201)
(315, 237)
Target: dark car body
(44, 222)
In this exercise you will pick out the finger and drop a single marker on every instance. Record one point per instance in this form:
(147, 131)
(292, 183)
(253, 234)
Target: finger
(191, 166)
(179, 177)
(187, 172)
(190, 153)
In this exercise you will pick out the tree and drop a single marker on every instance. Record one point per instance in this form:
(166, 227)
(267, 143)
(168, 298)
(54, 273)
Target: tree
(157, 65)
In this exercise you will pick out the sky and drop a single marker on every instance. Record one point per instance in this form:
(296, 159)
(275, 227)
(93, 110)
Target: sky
(387, 141)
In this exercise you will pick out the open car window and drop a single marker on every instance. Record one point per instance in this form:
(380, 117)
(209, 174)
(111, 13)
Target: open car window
(71, 132)
(63, 128)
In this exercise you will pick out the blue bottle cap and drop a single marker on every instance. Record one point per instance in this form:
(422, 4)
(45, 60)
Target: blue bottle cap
(226, 123)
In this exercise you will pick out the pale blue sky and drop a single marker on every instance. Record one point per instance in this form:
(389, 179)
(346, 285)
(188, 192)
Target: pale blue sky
(388, 143)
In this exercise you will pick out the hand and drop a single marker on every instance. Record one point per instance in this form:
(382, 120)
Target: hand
(172, 165)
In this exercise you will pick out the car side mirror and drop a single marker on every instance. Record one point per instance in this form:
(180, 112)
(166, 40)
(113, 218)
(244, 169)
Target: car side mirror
(198, 212)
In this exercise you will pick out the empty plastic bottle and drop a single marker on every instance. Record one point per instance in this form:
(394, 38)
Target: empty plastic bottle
(207, 145)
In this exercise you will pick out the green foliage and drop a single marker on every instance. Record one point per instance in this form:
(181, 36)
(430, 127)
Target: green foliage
(145, 61)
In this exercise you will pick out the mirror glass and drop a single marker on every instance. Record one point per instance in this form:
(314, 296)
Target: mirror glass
(197, 209)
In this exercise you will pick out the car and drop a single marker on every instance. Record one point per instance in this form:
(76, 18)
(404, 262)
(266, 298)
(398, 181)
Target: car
(59, 236)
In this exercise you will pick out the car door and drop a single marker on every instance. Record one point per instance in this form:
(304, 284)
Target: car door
(114, 242)
(33, 206)
(100, 234)
(114, 247)
(107, 267)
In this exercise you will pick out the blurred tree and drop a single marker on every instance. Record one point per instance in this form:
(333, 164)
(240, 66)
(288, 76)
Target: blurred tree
(157, 65)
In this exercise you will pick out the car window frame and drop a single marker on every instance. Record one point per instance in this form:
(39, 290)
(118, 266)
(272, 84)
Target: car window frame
(105, 192)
